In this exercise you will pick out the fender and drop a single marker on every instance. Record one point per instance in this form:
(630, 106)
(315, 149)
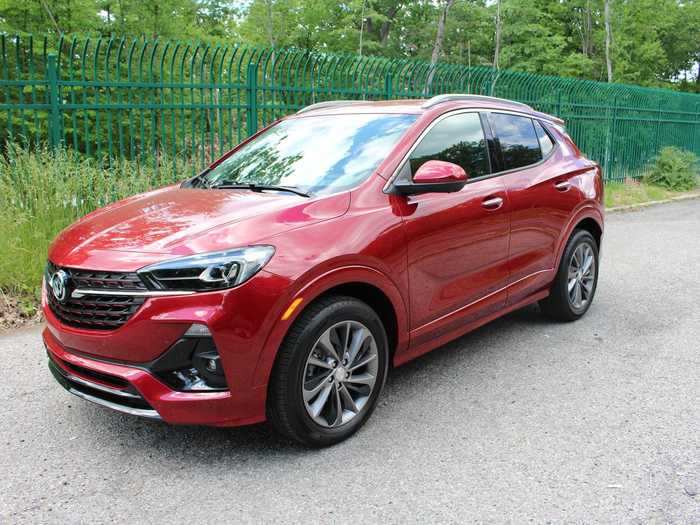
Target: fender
(314, 288)
(589, 210)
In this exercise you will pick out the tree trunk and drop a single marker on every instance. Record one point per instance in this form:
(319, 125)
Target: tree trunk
(386, 25)
(608, 40)
(270, 29)
(51, 17)
(497, 50)
(437, 48)
(362, 24)
(586, 31)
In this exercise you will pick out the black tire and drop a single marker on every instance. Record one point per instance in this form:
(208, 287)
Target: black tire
(285, 405)
(559, 305)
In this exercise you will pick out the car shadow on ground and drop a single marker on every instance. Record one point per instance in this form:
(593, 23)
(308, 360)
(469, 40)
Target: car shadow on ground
(188, 443)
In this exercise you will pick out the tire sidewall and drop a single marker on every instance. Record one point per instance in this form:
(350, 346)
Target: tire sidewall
(342, 310)
(580, 237)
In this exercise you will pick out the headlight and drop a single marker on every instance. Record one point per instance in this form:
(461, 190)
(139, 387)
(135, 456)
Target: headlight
(208, 271)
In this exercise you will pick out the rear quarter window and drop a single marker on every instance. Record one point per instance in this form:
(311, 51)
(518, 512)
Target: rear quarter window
(518, 140)
(546, 142)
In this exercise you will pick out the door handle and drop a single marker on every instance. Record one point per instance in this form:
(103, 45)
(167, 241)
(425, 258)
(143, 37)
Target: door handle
(562, 185)
(492, 203)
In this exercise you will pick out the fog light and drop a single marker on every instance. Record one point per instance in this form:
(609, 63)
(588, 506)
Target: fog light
(198, 330)
(192, 364)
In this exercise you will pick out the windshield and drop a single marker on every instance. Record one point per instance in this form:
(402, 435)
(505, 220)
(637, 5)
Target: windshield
(324, 154)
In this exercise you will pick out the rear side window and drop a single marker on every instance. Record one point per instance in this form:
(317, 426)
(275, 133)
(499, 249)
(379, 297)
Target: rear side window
(458, 139)
(546, 143)
(519, 144)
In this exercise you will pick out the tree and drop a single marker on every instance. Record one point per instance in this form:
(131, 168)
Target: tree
(608, 41)
(439, 36)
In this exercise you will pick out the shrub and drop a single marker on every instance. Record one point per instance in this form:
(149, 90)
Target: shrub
(674, 169)
(43, 192)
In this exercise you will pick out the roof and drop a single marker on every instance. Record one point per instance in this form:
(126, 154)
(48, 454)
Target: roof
(417, 106)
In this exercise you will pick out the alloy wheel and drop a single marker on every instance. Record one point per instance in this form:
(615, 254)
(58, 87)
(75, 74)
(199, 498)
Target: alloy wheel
(581, 276)
(340, 374)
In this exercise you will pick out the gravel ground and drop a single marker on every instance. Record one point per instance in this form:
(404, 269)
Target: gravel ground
(522, 420)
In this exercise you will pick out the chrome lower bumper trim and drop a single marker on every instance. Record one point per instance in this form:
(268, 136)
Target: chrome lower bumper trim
(65, 379)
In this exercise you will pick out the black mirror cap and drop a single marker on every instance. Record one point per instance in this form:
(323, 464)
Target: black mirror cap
(411, 188)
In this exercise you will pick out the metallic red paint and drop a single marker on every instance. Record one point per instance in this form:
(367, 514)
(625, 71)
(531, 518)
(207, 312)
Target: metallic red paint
(446, 262)
(438, 171)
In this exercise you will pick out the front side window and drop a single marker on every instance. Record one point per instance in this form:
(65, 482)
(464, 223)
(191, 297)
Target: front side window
(458, 139)
(518, 140)
(316, 154)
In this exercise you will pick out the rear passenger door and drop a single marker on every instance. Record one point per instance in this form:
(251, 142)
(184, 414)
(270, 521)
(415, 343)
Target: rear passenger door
(537, 185)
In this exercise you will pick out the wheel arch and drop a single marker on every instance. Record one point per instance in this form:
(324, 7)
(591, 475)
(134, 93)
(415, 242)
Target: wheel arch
(363, 283)
(589, 218)
(591, 226)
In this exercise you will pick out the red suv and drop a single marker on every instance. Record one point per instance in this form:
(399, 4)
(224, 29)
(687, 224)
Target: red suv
(283, 282)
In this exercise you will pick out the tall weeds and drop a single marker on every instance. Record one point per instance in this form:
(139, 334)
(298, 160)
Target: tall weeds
(42, 192)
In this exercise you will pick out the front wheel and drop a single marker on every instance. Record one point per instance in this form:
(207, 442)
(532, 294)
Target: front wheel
(329, 372)
(575, 284)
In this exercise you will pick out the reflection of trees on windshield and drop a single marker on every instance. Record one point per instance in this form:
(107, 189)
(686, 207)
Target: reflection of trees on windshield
(316, 154)
(262, 165)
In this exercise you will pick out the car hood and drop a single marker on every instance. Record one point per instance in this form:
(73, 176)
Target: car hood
(176, 221)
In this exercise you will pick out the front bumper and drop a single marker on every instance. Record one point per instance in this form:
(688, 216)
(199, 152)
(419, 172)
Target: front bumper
(111, 368)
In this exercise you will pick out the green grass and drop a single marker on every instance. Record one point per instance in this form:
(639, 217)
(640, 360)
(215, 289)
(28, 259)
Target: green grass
(633, 192)
(41, 193)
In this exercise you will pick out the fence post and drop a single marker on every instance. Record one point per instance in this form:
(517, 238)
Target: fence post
(252, 98)
(658, 129)
(609, 141)
(388, 86)
(697, 129)
(559, 103)
(54, 108)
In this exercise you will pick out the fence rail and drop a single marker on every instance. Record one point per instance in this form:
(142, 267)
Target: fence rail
(115, 98)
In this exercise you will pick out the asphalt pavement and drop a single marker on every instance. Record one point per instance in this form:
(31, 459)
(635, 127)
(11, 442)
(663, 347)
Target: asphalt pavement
(523, 420)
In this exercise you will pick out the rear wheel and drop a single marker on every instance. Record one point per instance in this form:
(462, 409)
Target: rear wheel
(329, 372)
(577, 277)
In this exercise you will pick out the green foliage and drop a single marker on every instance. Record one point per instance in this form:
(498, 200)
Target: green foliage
(675, 169)
(632, 192)
(42, 192)
(655, 42)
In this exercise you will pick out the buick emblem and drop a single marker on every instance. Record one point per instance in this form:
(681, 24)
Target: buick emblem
(59, 286)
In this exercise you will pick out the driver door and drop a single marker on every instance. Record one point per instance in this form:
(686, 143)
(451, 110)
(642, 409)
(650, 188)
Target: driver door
(457, 243)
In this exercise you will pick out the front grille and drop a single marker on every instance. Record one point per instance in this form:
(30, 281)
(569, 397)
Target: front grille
(107, 280)
(101, 280)
(96, 311)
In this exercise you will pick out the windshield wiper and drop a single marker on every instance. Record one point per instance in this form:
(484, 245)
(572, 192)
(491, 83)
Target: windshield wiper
(257, 187)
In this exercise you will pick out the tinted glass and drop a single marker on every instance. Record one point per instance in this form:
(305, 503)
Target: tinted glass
(519, 143)
(323, 154)
(458, 139)
(546, 143)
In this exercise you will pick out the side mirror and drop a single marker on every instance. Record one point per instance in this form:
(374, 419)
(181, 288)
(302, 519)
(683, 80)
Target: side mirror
(434, 176)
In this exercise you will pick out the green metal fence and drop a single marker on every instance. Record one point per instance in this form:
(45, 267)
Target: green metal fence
(115, 98)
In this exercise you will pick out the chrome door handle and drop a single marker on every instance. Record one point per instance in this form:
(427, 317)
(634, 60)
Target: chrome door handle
(562, 185)
(492, 203)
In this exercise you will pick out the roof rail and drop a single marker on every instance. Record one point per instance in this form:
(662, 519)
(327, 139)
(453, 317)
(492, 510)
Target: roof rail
(330, 104)
(439, 99)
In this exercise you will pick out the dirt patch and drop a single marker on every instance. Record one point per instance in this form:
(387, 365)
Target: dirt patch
(16, 312)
